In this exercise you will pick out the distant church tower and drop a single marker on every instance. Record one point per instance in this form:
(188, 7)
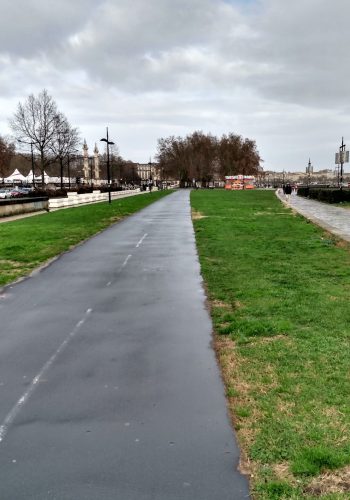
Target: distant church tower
(97, 164)
(86, 162)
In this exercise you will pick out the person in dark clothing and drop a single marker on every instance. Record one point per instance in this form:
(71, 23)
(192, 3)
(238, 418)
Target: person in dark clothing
(288, 192)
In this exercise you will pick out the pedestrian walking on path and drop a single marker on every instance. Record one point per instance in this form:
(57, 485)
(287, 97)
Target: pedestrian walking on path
(288, 192)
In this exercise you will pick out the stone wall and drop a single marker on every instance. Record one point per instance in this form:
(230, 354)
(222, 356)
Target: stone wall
(18, 206)
(22, 206)
(74, 199)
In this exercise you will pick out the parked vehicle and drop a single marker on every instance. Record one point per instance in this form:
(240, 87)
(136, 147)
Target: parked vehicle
(5, 193)
(24, 190)
(15, 193)
(19, 192)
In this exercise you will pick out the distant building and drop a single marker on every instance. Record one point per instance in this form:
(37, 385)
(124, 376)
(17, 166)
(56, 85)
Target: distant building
(148, 171)
(91, 166)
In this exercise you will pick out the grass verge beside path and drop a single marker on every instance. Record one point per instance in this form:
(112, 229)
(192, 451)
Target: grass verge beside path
(279, 292)
(27, 243)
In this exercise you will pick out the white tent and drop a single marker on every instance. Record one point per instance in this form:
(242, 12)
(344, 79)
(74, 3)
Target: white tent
(15, 177)
(55, 180)
(38, 178)
(29, 178)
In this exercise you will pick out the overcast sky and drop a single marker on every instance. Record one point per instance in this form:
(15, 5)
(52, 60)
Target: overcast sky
(276, 71)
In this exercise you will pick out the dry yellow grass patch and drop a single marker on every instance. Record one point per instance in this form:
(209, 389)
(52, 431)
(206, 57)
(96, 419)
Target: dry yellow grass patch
(330, 482)
(286, 407)
(224, 325)
(231, 364)
(8, 262)
(332, 412)
(197, 215)
(268, 340)
(224, 305)
(272, 213)
(283, 473)
(219, 303)
(342, 244)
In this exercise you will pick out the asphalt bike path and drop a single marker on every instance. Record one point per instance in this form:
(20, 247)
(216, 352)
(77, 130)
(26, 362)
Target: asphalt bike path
(109, 385)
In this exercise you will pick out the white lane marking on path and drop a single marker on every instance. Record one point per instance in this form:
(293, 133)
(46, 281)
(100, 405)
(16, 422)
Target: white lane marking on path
(126, 260)
(10, 417)
(141, 240)
(121, 268)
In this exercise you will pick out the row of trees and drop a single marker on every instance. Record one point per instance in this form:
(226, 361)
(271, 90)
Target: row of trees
(45, 138)
(39, 125)
(204, 157)
(7, 151)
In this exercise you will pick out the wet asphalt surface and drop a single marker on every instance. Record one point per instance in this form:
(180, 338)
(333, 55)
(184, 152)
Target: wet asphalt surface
(109, 387)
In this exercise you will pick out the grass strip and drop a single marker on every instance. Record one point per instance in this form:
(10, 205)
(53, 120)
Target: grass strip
(279, 292)
(27, 243)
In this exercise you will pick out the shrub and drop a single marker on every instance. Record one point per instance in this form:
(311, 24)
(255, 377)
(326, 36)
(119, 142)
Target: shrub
(327, 195)
(105, 189)
(303, 191)
(51, 193)
(85, 189)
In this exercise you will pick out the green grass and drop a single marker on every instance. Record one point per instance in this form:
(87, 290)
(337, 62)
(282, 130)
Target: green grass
(279, 289)
(342, 204)
(27, 243)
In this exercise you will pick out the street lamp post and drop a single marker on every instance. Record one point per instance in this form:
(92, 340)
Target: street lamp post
(32, 155)
(309, 167)
(68, 169)
(108, 142)
(150, 170)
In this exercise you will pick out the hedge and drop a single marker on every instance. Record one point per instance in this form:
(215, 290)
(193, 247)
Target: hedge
(327, 195)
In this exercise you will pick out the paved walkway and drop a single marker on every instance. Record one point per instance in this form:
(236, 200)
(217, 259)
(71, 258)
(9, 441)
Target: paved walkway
(334, 219)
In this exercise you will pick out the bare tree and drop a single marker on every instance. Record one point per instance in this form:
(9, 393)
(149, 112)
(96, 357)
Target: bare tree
(174, 158)
(237, 156)
(203, 152)
(249, 158)
(7, 150)
(35, 123)
(64, 141)
(229, 154)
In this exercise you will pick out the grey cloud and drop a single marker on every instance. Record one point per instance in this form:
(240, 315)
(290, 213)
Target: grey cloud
(29, 27)
(304, 46)
(152, 45)
(275, 71)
